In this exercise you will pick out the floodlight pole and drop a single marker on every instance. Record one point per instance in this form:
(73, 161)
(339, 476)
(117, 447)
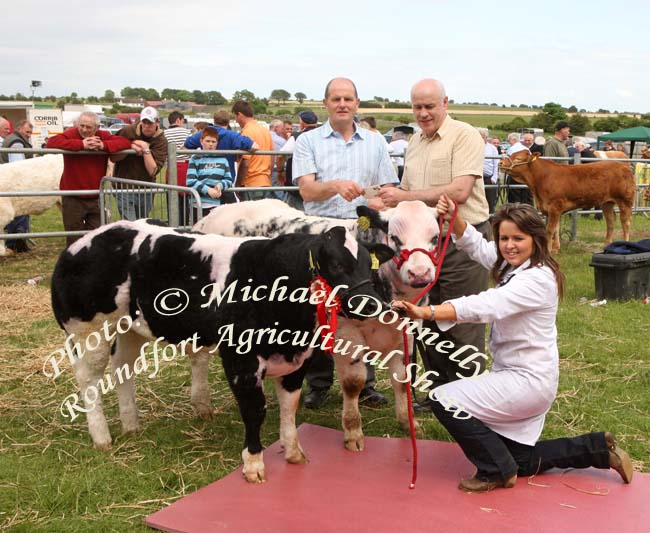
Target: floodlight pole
(33, 85)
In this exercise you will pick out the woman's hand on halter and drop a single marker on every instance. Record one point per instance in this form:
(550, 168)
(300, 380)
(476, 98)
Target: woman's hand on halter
(415, 312)
(446, 207)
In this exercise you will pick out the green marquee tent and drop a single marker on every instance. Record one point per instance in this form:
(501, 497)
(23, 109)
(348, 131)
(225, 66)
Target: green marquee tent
(640, 133)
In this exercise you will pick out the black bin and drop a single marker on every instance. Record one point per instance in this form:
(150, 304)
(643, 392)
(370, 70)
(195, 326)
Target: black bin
(622, 276)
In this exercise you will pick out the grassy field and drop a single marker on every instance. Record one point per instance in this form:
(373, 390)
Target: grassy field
(51, 478)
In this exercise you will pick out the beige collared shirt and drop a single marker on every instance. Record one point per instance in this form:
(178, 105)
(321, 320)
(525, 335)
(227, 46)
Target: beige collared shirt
(456, 149)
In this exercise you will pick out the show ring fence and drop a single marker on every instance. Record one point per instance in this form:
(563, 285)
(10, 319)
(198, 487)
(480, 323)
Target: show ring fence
(171, 203)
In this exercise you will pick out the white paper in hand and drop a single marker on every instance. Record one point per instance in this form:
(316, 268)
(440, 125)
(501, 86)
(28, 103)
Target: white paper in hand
(371, 192)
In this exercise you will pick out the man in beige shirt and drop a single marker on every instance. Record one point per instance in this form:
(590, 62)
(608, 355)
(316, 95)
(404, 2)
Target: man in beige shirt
(446, 157)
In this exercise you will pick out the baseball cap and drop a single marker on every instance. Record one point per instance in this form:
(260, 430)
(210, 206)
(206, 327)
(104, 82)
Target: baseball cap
(561, 125)
(308, 117)
(149, 113)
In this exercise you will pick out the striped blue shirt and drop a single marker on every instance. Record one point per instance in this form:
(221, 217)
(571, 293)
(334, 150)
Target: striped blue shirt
(324, 152)
(206, 172)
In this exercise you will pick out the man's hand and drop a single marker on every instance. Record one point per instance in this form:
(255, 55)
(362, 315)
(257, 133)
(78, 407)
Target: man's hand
(349, 190)
(391, 196)
(214, 192)
(254, 148)
(140, 146)
(93, 143)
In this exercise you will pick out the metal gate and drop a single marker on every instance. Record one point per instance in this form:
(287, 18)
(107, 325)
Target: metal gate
(122, 199)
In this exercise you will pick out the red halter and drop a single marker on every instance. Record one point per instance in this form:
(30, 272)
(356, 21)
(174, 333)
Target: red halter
(404, 255)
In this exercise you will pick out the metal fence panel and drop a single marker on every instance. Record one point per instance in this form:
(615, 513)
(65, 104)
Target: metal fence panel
(122, 199)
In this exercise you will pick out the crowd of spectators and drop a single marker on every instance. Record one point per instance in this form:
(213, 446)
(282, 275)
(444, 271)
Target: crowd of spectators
(150, 141)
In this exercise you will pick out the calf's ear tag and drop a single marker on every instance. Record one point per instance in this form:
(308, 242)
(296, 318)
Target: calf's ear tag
(363, 223)
(374, 261)
(313, 264)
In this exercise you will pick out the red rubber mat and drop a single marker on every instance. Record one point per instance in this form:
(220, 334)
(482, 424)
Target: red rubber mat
(340, 491)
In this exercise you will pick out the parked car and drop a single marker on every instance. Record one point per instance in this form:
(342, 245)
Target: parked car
(114, 128)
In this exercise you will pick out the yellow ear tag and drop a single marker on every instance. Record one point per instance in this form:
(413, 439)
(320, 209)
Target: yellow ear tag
(374, 262)
(363, 223)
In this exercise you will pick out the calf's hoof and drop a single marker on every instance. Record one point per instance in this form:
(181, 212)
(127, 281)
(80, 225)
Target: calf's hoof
(130, 430)
(406, 427)
(354, 444)
(103, 446)
(204, 411)
(257, 476)
(253, 470)
(295, 456)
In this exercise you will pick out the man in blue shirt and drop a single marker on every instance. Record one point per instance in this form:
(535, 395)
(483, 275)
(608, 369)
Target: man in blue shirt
(333, 165)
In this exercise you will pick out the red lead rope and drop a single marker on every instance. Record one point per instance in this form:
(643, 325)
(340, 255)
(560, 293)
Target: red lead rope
(326, 315)
(440, 255)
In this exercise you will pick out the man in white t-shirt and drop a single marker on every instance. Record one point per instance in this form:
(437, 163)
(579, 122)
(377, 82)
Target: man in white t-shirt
(398, 146)
(520, 195)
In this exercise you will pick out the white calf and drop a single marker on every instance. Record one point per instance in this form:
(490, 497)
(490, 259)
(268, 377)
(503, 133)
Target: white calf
(35, 174)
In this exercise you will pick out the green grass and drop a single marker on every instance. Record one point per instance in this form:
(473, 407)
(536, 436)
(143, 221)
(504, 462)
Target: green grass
(51, 479)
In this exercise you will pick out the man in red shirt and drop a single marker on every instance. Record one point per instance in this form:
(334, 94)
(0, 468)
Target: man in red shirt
(84, 171)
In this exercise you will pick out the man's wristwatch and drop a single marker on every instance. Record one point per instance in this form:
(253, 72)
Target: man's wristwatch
(432, 312)
(147, 152)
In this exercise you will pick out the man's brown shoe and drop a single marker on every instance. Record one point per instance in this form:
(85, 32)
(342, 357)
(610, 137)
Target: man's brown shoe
(477, 485)
(619, 460)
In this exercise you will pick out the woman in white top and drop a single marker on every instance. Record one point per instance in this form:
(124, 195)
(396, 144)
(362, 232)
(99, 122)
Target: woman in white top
(498, 416)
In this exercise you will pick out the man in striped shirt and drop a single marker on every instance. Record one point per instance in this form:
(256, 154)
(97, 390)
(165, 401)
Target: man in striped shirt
(333, 165)
(177, 134)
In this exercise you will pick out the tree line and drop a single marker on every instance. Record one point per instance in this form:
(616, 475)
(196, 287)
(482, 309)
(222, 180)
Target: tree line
(549, 114)
(552, 113)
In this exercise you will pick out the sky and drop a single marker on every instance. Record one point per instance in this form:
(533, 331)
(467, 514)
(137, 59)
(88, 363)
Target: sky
(572, 53)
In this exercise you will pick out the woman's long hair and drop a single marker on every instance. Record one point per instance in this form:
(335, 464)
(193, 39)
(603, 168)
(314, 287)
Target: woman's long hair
(529, 222)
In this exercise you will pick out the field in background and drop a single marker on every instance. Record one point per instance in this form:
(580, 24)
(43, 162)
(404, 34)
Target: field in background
(51, 479)
(487, 116)
(387, 118)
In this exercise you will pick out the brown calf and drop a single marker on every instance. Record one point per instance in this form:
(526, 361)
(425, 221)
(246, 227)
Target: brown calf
(561, 188)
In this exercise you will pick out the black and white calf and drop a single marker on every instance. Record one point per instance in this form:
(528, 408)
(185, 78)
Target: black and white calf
(271, 218)
(410, 229)
(116, 272)
(338, 260)
(206, 293)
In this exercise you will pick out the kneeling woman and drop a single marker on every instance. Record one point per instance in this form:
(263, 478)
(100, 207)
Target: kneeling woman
(502, 411)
